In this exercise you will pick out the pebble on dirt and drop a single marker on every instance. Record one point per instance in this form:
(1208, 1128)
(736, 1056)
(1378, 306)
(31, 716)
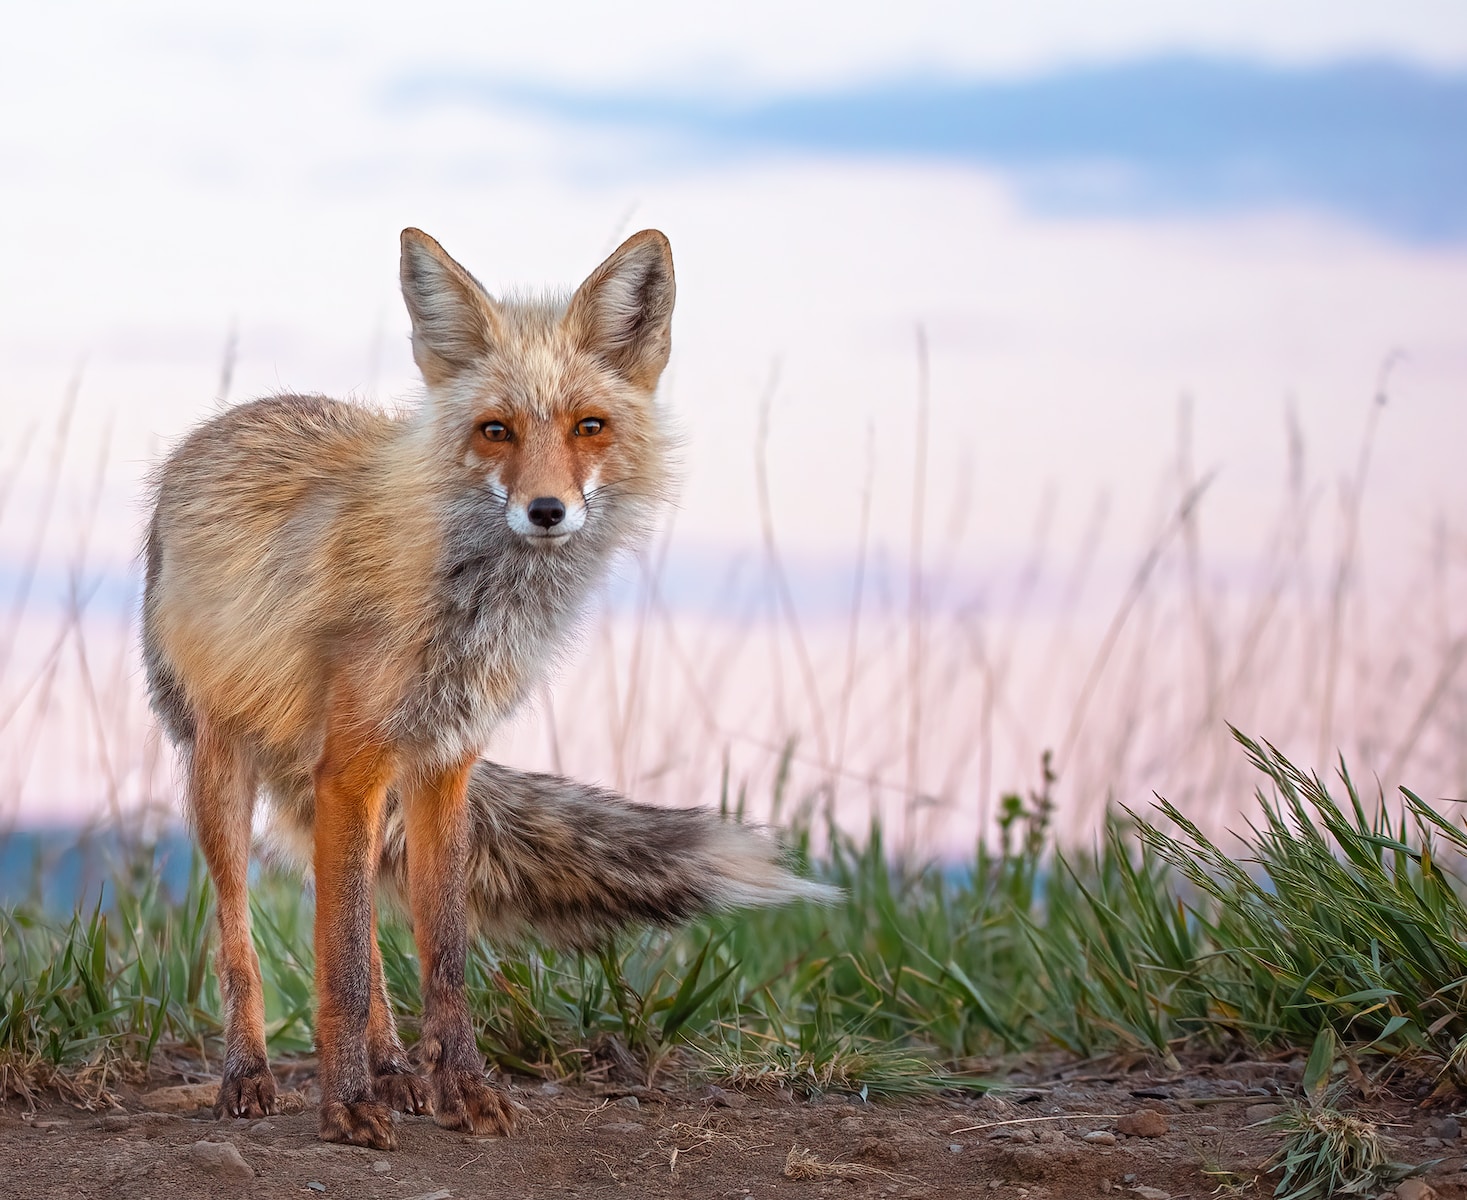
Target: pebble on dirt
(184, 1097)
(220, 1158)
(1146, 1123)
(722, 1098)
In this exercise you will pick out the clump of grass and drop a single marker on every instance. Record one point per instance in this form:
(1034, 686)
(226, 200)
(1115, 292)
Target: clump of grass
(1338, 915)
(850, 1063)
(1327, 1152)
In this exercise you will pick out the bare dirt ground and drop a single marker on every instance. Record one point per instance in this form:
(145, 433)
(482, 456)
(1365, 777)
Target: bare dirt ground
(1048, 1134)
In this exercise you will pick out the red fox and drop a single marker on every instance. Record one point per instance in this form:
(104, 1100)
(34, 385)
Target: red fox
(341, 605)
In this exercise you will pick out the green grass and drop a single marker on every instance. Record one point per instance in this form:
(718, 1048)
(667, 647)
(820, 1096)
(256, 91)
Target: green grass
(1329, 1153)
(1338, 925)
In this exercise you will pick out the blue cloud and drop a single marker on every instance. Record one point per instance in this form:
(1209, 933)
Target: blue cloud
(1379, 143)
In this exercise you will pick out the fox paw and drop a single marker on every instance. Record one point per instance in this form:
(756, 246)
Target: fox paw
(364, 1123)
(466, 1100)
(403, 1090)
(247, 1093)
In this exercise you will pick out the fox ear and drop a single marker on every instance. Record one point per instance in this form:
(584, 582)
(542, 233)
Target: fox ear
(454, 322)
(623, 311)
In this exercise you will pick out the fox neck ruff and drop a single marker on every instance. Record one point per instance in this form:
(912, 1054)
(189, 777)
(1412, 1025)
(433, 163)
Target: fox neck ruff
(501, 608)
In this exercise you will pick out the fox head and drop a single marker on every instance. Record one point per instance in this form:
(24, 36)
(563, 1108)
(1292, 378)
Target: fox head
(546, 404)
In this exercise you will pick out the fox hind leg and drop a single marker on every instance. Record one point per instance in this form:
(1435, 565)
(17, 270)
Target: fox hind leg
(394, 1082)
(435, 811)
(221, 798)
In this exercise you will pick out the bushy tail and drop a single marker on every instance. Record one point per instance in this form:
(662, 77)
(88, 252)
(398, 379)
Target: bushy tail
(574, 863)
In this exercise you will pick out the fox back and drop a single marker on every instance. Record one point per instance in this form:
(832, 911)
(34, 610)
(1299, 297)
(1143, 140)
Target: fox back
(430, 563)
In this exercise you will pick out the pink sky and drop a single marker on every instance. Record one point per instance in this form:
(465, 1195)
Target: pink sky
(182, 174)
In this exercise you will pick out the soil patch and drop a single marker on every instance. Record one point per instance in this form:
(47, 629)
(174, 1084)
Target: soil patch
(1046, 1135)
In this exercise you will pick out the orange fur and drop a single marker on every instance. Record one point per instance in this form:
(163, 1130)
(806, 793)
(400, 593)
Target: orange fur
(352, 777)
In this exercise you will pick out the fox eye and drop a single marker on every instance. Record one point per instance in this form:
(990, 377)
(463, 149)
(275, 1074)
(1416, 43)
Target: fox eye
(495, 431)
(589, 427)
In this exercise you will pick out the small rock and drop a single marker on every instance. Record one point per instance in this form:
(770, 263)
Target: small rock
(1150, 1193)
(1101, 1137)
(381, 1167)
(954, 1148)
(1415, 1189)
(220, 1158)
(619, 1127)
(630, 1102)
(722, 1098)
(1433, 1143)
(1449, 1129)
(116, 1122)
(316, 1185)
(1146, 1123)
(184, 1098)
(440, 1194)
(261, 1128)
(1262, 1112)
(551, 1089)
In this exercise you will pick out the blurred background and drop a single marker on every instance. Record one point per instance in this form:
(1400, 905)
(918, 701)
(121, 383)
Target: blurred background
(1060, 383)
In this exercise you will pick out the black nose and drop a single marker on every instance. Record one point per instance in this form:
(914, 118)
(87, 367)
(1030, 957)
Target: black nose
(546, 511)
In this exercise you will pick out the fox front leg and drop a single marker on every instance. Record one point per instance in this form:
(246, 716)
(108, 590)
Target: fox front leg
(435, 811)
(352, 778)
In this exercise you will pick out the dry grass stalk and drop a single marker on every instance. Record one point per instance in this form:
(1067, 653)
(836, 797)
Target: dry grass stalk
(699, 1136)
(88, 1086)
(801, 1163)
